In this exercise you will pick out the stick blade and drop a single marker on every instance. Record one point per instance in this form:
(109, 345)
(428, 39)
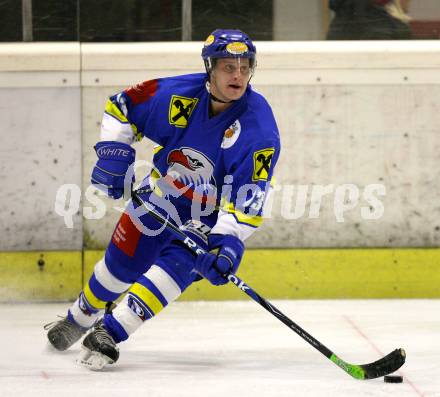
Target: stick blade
(386, 365)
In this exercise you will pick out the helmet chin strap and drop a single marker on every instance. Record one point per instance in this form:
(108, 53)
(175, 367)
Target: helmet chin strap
(213, 97)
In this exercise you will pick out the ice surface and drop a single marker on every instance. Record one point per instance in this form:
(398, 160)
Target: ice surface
(231, 349)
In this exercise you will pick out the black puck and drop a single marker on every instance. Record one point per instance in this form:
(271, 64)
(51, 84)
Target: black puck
(393, 379)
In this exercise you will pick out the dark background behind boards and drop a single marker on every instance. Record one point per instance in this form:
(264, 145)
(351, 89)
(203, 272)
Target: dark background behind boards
(132, 20)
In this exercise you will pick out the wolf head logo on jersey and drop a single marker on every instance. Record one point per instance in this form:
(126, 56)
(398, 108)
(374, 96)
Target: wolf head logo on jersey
(190, 167)
(191, 172)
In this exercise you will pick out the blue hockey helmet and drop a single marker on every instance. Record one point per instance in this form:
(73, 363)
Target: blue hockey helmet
(228, 43)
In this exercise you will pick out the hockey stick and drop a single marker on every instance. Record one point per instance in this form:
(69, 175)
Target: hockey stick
(384, 366)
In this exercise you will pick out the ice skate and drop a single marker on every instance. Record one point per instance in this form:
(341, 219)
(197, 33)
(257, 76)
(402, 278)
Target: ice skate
(99, 349)
(63, 333)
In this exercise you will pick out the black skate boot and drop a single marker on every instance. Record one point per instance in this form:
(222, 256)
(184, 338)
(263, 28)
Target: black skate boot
(63, 333)
(99, 348)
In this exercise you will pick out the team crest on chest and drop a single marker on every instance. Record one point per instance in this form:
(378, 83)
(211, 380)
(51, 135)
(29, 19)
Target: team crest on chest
(231, 135)
(180, 110)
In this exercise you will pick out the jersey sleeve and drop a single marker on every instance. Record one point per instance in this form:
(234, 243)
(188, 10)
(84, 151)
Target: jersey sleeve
(246, 189)
(131, 114)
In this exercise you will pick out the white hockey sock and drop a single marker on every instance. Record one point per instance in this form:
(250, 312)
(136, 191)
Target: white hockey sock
(83, 317)
(126, 317)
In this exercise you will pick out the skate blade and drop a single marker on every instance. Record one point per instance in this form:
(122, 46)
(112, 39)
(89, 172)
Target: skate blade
(94, 361)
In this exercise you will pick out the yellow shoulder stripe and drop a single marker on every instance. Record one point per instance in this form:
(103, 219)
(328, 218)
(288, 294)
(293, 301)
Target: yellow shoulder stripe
(114, 111)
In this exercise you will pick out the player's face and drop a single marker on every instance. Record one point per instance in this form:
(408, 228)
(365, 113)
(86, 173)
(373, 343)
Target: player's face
(229, 78)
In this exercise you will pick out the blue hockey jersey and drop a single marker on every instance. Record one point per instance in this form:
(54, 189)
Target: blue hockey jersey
(214, 169)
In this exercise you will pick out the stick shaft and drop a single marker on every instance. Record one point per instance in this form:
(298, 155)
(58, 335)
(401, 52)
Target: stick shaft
(384, 366)
(279, 315)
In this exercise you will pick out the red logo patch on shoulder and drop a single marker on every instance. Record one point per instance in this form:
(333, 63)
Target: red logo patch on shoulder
(126, 235)
(142, 92)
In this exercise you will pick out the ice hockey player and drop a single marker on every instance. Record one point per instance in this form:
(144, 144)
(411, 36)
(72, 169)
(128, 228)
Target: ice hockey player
(217, 144)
